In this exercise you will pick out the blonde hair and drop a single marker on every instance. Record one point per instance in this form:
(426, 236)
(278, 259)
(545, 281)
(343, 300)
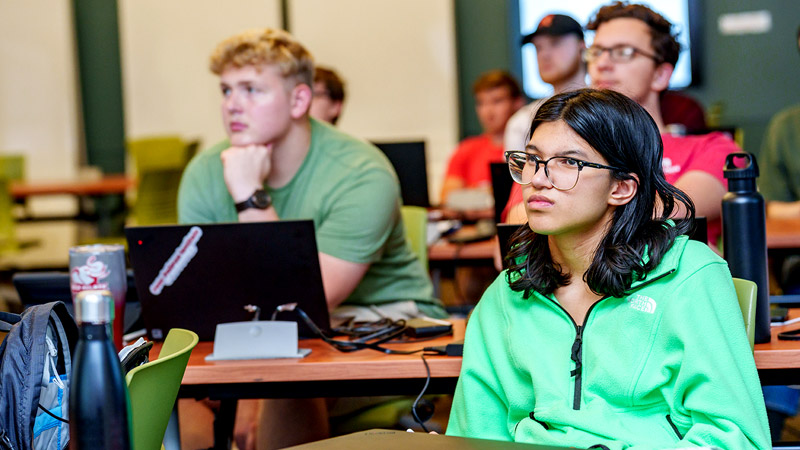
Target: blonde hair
(265, 46)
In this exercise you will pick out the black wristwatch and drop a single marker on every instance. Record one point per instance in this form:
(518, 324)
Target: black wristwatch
(259, 200)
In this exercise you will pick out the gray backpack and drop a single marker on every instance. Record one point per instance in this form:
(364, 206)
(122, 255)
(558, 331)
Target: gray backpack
(35, 363)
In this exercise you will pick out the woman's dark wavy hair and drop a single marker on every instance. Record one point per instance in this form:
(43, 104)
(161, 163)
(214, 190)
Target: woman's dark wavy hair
(628, 138)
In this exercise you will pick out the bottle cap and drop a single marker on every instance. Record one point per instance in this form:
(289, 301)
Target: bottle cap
(750, 170)
(96, 307)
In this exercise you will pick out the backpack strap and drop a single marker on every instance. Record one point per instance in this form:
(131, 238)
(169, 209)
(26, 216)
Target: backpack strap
(7, 320)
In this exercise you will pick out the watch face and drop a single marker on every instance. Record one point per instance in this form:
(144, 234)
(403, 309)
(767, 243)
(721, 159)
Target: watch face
(261, 199)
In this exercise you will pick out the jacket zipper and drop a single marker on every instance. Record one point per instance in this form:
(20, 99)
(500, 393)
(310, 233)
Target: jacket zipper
(674, 428)
(576, 352)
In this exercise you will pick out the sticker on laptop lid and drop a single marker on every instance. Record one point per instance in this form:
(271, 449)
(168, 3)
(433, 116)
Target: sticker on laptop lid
(177, 262)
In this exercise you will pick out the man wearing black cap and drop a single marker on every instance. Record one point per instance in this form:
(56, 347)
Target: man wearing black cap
(559, 47)
(559, 43)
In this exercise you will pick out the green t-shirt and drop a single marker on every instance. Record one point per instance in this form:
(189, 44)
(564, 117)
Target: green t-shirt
(779, 159)
(350, 191)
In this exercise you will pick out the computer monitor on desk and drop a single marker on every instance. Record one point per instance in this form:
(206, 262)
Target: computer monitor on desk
(36, 288)
(408, 159)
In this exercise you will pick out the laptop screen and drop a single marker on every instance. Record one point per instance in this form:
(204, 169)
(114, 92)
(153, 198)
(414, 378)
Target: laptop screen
(408, 159)
(197, 276)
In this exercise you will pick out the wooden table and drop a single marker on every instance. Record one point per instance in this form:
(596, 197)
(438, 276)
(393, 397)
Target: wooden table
(86, 190)
(783, 234)
(444, 250)
(327, 372)
(109, 184)
(331, 370)
(778, 361)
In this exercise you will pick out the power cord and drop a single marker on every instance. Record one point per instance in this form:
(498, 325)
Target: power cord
(370, 341)
(415, 405)
(422, 410)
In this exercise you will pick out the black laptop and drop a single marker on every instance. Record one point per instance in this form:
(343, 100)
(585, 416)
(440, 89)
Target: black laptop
(198, 276)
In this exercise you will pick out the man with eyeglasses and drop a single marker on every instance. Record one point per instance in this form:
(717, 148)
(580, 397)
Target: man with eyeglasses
(634, 52)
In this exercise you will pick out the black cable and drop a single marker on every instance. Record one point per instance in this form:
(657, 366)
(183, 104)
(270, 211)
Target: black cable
(419, 397)
(397, 328)
(60, 419)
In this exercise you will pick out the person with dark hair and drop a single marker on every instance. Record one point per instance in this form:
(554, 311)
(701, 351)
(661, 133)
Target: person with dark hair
(634, 52)
(497, 97)
(328, 99)
(610, 329)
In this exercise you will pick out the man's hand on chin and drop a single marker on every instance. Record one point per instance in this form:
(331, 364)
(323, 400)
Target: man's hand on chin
(246, 168)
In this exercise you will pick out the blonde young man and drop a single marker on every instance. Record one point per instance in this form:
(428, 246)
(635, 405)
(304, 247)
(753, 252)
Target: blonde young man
(280, 164)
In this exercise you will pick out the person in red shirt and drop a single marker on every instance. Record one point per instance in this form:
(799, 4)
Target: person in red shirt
(497, 97)
(634, 52)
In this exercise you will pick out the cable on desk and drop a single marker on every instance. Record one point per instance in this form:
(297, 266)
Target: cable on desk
(415, 405)
(371, 341)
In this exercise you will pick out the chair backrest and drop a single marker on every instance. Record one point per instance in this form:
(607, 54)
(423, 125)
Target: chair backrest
(153, 389)
(12, 168)
(159, 164)
(746, 291)
(415, 220)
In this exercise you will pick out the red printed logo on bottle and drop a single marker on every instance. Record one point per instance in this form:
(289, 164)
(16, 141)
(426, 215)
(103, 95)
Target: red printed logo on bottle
(89, 275)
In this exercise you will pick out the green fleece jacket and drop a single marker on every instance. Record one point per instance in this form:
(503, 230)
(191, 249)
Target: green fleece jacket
(666, 366)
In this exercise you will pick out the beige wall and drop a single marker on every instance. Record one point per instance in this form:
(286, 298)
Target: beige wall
(165, 47)
(399, 61)
(39, 107)
(398, 58)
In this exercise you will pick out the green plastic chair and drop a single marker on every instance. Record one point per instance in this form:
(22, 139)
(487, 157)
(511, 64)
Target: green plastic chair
(153, 389)
(747, 291)
(415, 220)
(12, 168)
(159, 164)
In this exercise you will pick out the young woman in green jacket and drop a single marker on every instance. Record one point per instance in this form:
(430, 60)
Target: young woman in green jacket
(610, 329)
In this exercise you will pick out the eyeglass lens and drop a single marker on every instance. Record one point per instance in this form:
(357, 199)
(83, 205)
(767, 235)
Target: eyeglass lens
(562, 172)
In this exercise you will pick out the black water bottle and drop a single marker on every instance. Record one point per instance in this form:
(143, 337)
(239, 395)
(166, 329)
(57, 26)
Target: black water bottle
(744, 236)
(98, 398)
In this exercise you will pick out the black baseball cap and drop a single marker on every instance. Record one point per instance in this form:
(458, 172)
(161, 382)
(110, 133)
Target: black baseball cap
(555, 25)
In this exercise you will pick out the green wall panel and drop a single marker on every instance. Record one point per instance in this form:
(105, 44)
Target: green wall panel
(97, 41)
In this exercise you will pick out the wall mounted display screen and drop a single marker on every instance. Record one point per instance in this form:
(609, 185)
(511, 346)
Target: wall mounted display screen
(683, 14)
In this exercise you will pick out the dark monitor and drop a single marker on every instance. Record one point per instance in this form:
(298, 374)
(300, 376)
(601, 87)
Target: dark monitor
(504, 232)
(699, 229)
(408, 159)
(501, 187)
(36, 288)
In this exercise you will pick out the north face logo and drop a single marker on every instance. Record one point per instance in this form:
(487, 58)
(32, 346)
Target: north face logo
(642, 303)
